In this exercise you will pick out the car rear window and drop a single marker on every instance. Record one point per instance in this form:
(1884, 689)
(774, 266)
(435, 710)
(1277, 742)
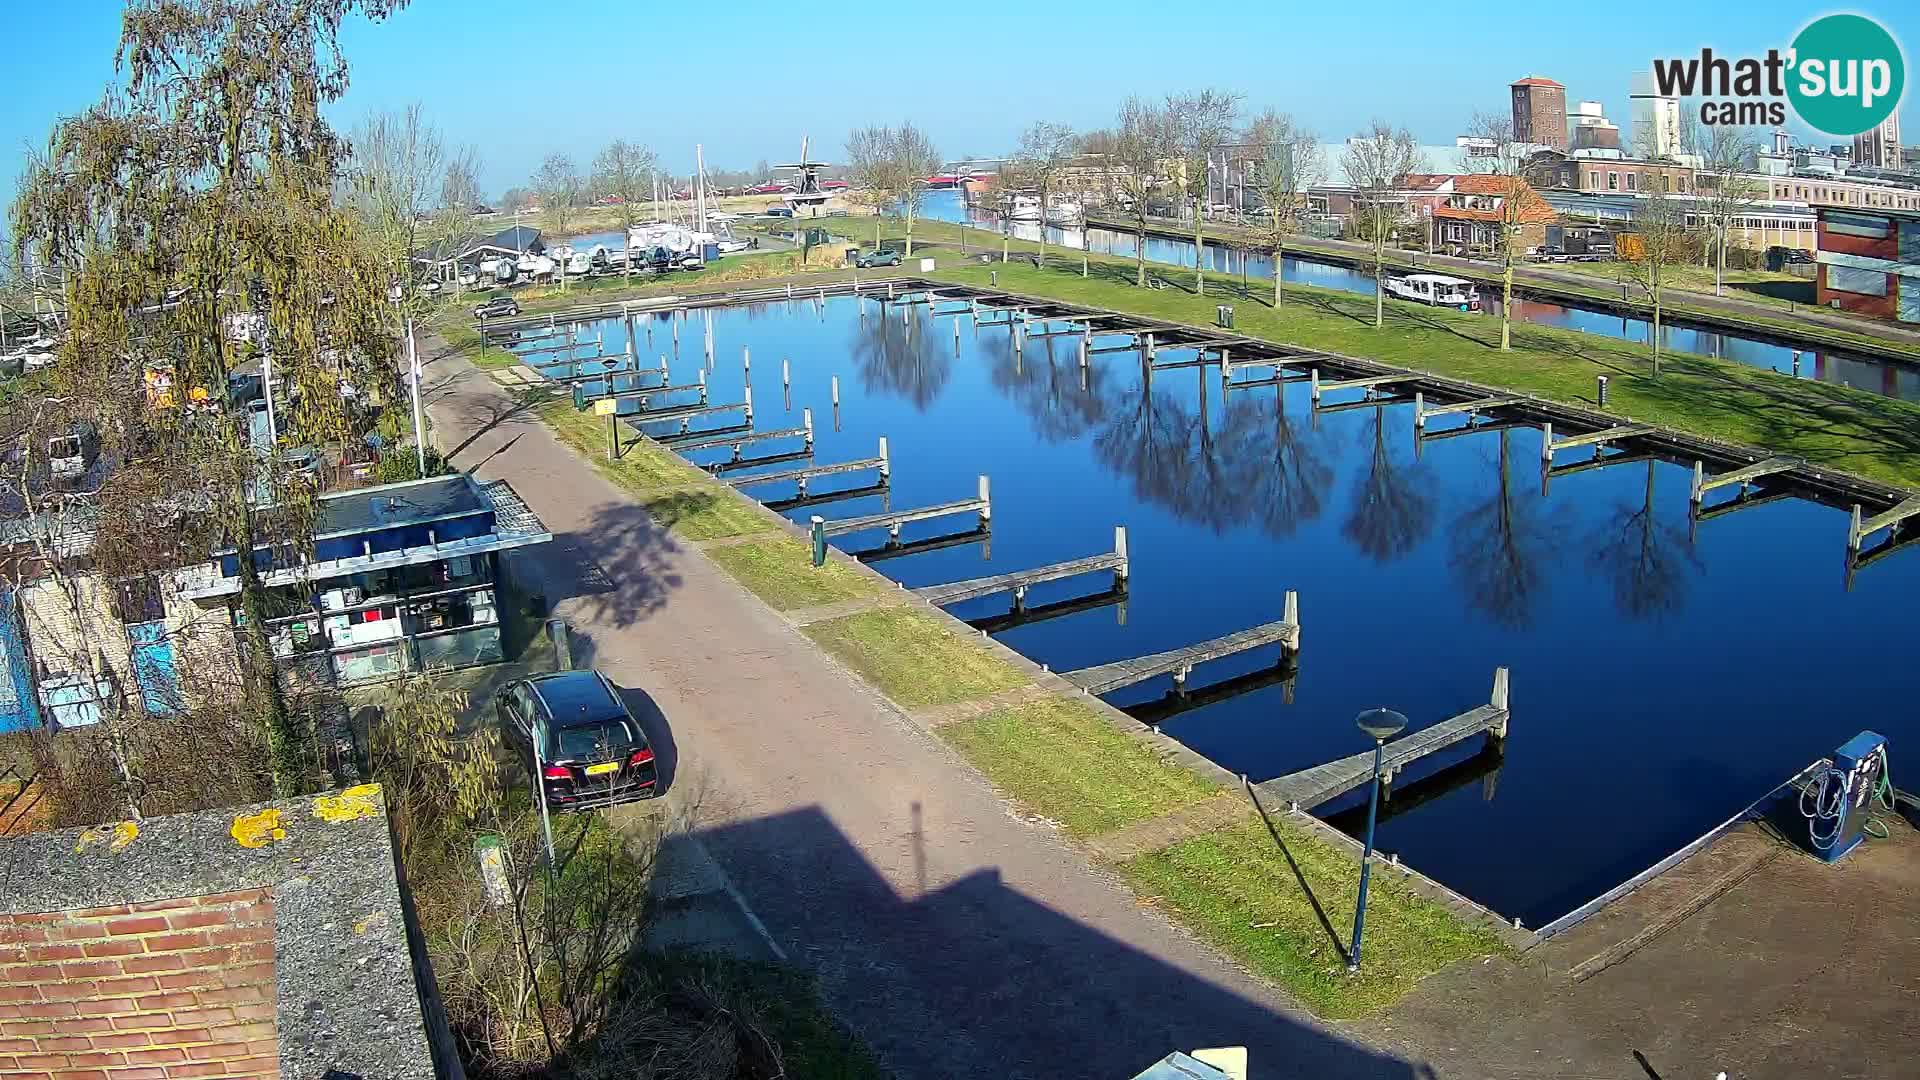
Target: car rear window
(591, 740)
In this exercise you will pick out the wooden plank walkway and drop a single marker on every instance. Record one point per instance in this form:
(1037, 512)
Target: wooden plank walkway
(1550, 446)
(893, 549)
(1702, 483)
(1309, 788)
(1106, 678)
(1422, 410)
(824, 498)
(684, 445)
(802, 475)
(1018, 581)
(781, 458)
(1272, 380)
(683, 413)
(1363, 403)
(893, 519)
(1365, 382)
(1860, 528)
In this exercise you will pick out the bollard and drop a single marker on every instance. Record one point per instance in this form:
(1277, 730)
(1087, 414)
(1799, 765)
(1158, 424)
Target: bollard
(562, 647)
(746, 359)
(1600, 389)
(1796, 363)
(993, 277)
(819, 531)
(836, 391)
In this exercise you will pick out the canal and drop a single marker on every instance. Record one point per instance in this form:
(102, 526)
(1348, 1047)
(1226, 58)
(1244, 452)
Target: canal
(1659, 683)
(1889, 378)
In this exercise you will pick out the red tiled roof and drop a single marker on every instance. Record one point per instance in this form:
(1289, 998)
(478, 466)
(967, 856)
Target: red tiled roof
(1535, 80)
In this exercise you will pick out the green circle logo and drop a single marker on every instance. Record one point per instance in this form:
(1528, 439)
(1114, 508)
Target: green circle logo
(1847, 74)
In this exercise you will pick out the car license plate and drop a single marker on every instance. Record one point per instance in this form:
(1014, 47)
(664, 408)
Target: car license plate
(603, 768)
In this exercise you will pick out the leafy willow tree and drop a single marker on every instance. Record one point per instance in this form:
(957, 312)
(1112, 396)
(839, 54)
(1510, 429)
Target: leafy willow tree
(1201, 125)
(625, 171)
(1046, 149)
(1287, 163)
(1374, 162)
(192, 214)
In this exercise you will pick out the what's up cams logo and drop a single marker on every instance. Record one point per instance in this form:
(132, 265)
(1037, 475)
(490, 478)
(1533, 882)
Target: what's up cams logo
(1843, 75)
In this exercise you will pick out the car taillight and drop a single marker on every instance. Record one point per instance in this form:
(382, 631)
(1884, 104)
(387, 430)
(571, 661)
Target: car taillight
(557, 772)
(641, 756)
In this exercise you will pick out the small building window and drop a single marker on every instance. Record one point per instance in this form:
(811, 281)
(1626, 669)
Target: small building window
(1613, 181)
(1666, 181)
(137, 600)
(1630, 177)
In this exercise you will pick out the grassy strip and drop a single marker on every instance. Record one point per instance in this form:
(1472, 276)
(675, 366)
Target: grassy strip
(1263, 900)
(1834, 426)
(460, 334)
(644, 468)
(708, 513)
(780, 571)
(913, 659)
(1060, 759)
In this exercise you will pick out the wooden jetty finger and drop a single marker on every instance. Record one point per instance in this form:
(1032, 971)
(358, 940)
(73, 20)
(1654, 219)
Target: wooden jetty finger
(1743, 502)
(1308, 788)
(1027, 615)
(685, 412)
(823, 498)
(1362, 383)
(1550, 446)
(1422, 410)
(1018, 581)
(1363, 403)
(893, 519)
(1282, 379)
(1702, 483)
(801, 476)
(894, 549)
(1106, 678)
(686, 444)
(1859, 529)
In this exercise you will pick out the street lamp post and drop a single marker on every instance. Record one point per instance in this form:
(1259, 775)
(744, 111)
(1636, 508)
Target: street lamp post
(1381, 724)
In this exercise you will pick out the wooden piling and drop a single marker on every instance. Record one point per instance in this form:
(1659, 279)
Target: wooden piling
(836, 391)
(986, 503)
(747, 402)
(1120, 548)
(786, 373)
(806, 421)
(1546, 448)
(1290, 614)
(1699, 481)
(746, 359)
(1419, 410)
(886, 461)
(1313, 384)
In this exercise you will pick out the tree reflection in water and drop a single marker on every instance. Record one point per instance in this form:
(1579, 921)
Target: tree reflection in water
(906, 361)
(1046, 385)
(1647, 561)
(1390, 515)
(1286, 474)
(1500, 547)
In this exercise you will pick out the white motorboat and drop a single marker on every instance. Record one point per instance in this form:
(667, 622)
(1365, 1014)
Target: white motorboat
(1436, 289)
(676, 239)
(579, 264)
(1024, 208)
(535, 266)
(1066, 212)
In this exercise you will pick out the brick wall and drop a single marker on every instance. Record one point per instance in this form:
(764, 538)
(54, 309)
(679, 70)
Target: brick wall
(168, 990)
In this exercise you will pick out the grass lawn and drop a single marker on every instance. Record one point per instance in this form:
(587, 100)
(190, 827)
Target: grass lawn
(706, 514)
(1830, 425)
(913, 659)
(1060, 759)
(780, 571)
(644, 468)
(1256, 899)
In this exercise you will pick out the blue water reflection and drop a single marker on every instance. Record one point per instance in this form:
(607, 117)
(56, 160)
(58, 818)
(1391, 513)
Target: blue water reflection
(1658, 684)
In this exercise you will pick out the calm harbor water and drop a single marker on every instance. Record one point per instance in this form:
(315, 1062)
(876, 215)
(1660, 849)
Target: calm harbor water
(1658, 684)
(1891, 379)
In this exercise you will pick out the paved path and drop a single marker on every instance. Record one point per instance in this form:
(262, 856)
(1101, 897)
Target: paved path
(956, 938)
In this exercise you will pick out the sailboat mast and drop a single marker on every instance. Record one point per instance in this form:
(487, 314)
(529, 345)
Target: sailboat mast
(699, 188)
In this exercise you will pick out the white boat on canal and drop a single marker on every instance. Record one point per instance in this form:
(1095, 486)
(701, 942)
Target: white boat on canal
(1436, 289)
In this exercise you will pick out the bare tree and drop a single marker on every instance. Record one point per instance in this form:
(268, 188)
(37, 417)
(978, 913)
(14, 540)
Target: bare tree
(1727, 191)
(393, 176)
(870, 177)
(558, 183)
(1202, 124)
(914, 159)
(1046, 149)
(625, 170)
(888, 167)
(1135, 167)
(1658, 240)
(1288, 163)
(1516, 203)
(1375, 162)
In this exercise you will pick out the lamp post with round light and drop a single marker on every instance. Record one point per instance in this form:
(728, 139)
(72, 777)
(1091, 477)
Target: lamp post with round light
(1381, 725)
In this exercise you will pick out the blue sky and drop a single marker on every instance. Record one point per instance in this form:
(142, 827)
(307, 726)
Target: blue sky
(749, 79)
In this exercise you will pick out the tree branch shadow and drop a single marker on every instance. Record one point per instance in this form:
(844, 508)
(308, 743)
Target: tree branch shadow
(1286, 853)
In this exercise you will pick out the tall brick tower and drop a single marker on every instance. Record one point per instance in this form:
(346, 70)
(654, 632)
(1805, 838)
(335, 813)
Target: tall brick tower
(1540, 112)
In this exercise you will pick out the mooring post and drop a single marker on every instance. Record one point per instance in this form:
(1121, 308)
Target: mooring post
(1226, 363)
(1313, 386)
(1546, 442)
(703, 385)
(806, 422)
(889, 290)
(1499, 701)
(819, 530)
(1699, 480)
(663, 365)
(1120, 548)
(1151, 351)
(1019, 598)
(836, 391)
(748, 407)
(786, 373)
(1853, 531)
(956, 333)
(1796, 363)
(986, 503)
(1290, 614)
(676, 335)
(1420, 410)
(1019, 337)
(746, 360)
(789, 290)
(886, 463)
(1600, 389)
(1083, 352)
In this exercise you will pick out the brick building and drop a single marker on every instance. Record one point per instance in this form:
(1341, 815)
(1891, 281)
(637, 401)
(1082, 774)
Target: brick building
(265, 941)
(1609, 176)
(1869, 262)
(1540, 112)
(1473, 209)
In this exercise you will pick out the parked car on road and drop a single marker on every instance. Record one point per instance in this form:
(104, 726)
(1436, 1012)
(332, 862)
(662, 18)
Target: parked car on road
(496, 307)
(778, 211)
(590, 751)
(877, 257)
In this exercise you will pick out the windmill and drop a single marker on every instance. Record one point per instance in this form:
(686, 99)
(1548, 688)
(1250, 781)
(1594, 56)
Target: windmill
(807, 192)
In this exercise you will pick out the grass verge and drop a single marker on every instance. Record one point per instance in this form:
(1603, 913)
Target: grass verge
(705, 514)
(644, 468)
(913, 659)
(1060, 759)
(780, 571)
(1282, 907)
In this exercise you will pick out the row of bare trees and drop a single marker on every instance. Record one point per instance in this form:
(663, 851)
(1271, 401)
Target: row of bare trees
(887, 168)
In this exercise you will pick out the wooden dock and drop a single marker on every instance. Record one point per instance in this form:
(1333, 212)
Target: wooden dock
(1282, 379)
(1702, 483)
(894, 549)
(1019, 581)
(1308, 788)
(1861, 528)
(1473, 407)
(892, 520)
(688, 445)
(784, 457)
(1550, 446)
(1364, 382)
(1106, 678)
(823, 498)
(1550, 472)
(684, 414)
(641, 393)
(1181, 700)
(800, 476)
(1114, 597)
